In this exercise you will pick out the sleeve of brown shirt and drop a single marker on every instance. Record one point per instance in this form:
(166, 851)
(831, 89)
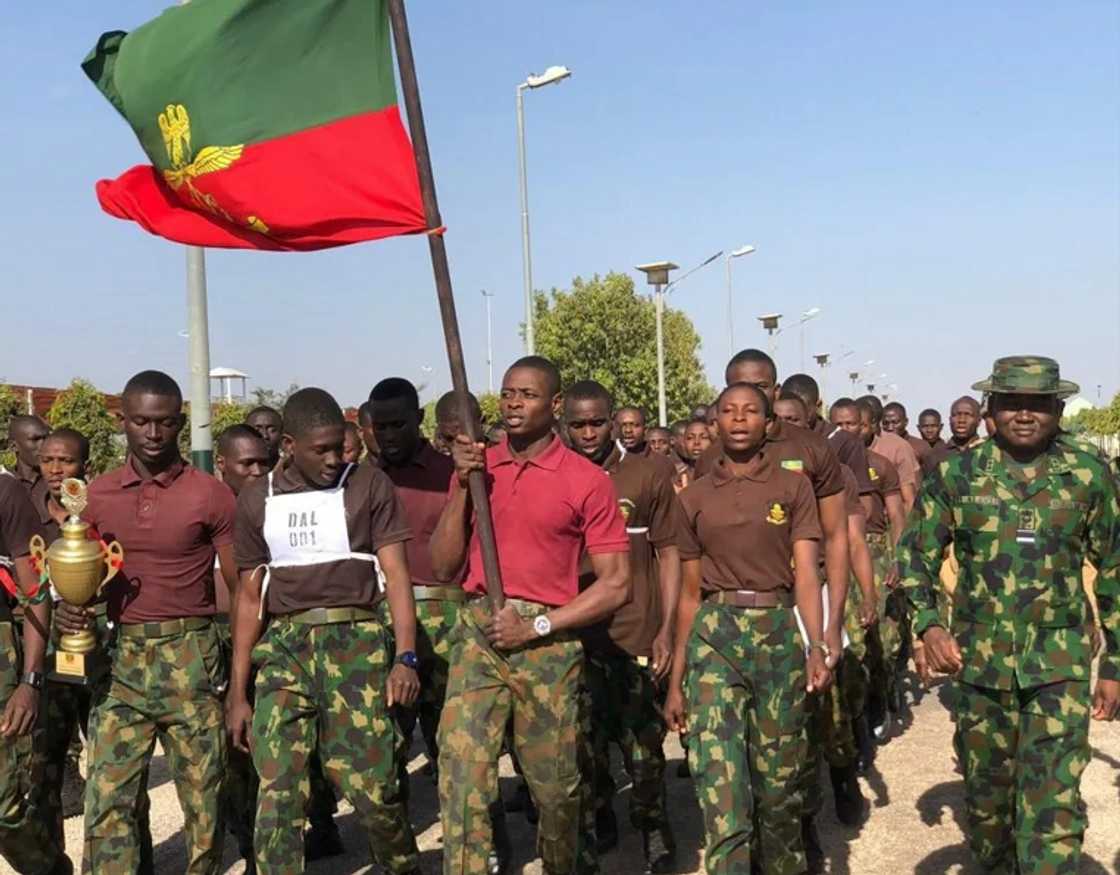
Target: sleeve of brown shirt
(249, 546)
(909, 469)
(666, 516)
(19, 522)
(826, 476)
(805, 524)
(687, 541)
(388, 523)
(223, 512)
(889, 477)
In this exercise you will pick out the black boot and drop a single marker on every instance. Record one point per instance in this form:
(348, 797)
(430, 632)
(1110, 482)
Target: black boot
(73, 789)
(322, 840)
(865, 744)
(523, 801)
(660, 849)
(606, 830)
(814, 854)
(498, 862)
(849, 799)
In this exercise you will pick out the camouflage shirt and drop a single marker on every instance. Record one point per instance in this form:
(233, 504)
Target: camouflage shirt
(1020, 613)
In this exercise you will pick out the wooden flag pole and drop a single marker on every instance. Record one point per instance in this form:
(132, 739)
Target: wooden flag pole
(407, 67)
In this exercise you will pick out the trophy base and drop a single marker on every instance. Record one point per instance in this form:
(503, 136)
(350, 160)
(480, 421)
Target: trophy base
(81, 669)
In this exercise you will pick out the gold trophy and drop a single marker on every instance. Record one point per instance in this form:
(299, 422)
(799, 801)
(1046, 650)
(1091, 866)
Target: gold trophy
(78, 568)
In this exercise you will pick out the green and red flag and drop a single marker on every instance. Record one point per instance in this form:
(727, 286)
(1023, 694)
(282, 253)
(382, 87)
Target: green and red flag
(269, 124)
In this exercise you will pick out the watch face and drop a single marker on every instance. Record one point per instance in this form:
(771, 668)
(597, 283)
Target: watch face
(542, 625)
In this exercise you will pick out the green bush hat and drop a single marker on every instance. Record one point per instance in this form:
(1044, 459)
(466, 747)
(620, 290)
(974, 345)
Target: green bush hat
(1026, 375)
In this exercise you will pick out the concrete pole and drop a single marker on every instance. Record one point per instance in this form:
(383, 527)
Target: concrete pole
(659, 301)
(526, 255)
(198, 362)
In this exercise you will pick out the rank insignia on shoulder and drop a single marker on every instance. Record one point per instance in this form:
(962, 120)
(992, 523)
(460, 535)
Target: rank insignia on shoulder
(777, 515)
(793, 464)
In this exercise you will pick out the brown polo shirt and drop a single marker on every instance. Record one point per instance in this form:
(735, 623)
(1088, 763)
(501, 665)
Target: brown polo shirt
(795, 449)
(885, 477)
(901, 455)
(854, 507)
(742, 529)
(919, 445)
(851, 452)
(170, 527)
(40, 496)
(19, 523)
(648, 501)
(375, 518)
(422, 485)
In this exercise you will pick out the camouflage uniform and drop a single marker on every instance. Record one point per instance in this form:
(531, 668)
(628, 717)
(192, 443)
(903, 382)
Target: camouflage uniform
(745, 688)
(167, 681)
(540, 684)
(884, 641)
(324, 685)
(29, 838)
(1024, 627)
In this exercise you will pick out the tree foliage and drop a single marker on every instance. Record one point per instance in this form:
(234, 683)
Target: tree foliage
(271, 397)
(222, 416)
(82, 407)
(9, 407)
(488, 402)
(601, 329)
(1096, 421)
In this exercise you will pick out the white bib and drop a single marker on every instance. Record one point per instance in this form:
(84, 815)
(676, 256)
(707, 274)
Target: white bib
(309, 528)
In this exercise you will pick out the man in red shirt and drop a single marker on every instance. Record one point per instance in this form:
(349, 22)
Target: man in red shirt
(549, 506)
(168, 675)
(421, 477)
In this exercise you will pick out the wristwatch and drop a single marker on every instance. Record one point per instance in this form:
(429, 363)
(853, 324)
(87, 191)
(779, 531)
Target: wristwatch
(542, 626)
(33, 679)
(823, 647)
(408, 659)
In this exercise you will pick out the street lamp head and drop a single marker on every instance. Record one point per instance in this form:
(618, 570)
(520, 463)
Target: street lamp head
(742, 250)
(811, 313)
(657, 272)
(869, 363)
(770, 321)
(552, 74)
(853, 376)
(822, 358)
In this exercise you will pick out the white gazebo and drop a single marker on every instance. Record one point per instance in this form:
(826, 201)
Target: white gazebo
(226, 378)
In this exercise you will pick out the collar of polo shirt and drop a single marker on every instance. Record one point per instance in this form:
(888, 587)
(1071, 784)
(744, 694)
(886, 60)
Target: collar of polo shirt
(130, 476)
(760, 471)
(549, 458)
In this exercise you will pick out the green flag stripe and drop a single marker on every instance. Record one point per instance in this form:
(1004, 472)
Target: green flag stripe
(247, 71)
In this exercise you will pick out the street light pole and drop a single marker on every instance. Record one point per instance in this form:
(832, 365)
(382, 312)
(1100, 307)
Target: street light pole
(552, 74)
(486, 296)
(657, 275)
(742, 250)
(811, 313)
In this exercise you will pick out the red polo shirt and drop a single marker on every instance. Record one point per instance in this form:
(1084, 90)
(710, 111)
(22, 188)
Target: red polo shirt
(421, 485)
(170, 527)
(547, 511)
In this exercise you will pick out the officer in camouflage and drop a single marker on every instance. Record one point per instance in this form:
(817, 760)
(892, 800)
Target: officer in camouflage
(1022, 512)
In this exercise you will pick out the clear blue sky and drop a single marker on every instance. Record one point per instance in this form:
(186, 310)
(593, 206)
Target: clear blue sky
(943, 180)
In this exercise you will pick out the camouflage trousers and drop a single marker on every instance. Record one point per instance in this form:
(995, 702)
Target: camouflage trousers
(435, 627)
(745, 689)
(539, 684)
(620, 706)
(884, 642)
(324, 686)
(30, 838)
(1022, 753)
(167, 688)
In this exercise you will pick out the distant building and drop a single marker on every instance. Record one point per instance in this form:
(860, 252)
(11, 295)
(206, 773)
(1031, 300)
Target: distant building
(227, 380)
(37, 400)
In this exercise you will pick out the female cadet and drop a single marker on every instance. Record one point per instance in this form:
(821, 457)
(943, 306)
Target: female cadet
(749, 552)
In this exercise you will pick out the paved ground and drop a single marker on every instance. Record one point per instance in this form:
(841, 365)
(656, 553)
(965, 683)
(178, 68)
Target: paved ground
(914, 824)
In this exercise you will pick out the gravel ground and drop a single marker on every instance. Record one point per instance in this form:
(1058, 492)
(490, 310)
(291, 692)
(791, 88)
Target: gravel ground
(915, 822)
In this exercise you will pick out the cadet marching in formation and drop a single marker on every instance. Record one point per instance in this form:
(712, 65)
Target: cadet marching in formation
(757, 579)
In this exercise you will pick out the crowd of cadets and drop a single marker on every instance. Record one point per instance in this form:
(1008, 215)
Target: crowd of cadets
(283, 630)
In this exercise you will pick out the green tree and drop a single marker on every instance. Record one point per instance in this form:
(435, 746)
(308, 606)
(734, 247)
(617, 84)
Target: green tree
(601, 329)
(271, 397)
(488, 402)
(9, 407)
(222, 416)
(81, 407)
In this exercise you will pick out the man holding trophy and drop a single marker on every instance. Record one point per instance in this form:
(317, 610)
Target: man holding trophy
(166, 677)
